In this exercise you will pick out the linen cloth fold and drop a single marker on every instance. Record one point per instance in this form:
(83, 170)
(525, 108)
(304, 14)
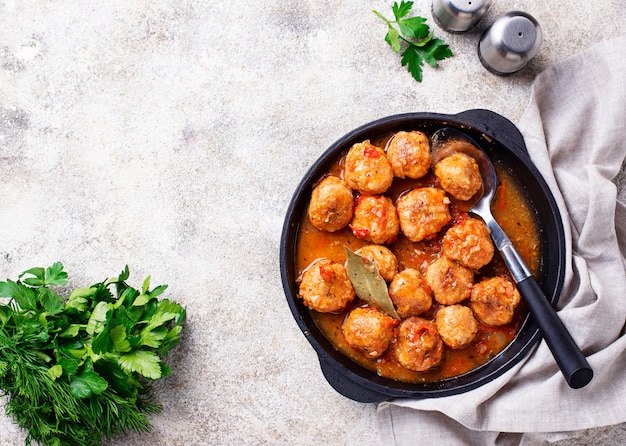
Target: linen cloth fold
(575, 132)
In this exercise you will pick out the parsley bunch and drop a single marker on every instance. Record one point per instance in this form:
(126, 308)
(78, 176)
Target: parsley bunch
(415, 36)
(80, 369)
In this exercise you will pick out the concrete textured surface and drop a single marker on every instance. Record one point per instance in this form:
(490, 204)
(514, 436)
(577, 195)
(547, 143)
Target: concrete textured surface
(169, 135)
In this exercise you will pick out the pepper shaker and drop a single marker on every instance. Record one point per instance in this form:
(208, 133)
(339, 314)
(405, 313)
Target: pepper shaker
(510, 42)
(458, 16)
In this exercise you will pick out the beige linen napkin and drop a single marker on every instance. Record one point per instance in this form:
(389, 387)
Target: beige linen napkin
(575, 131)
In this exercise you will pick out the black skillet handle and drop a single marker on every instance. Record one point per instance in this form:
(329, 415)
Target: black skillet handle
(496, 126)
(348, 388)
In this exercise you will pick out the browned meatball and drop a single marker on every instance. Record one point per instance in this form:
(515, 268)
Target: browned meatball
(367, 169)
(383, 258)
(375, 219)
(368, 330)
(409, 293)
(332, 204)
(419, 346)
(459, 175)
(494, 300)
(456, 325)
(469, 243)
(450, 282)
(325, 287)
(409, 153)
(423, 212)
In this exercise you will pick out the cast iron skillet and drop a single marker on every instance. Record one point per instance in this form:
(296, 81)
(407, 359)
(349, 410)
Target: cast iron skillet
(505, 144)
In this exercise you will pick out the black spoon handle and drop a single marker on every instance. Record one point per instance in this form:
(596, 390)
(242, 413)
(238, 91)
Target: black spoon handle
(568, 356)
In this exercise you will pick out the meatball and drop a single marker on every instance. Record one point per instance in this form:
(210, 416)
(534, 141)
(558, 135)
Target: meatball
(419, 346)
(369, 331)
(383, 258)
(409, 153)
(332, 204)
(450, 282)
(469, 243)
(494, 300)
(459, 175)
(325, 287)
(375, 219)
(456, 325)
(367, 169)
(423, 213)
(409, 293)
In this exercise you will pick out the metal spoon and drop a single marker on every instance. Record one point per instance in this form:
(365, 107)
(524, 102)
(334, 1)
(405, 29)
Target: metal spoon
(568, 356)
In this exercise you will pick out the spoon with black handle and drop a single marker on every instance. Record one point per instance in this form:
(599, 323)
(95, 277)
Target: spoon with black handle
(568, 356)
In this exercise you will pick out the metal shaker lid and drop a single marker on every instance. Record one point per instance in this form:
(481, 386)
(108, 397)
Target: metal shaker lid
(459, 15)
(511, 41)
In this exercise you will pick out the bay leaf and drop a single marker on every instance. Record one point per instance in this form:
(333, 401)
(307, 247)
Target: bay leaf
(368, 284)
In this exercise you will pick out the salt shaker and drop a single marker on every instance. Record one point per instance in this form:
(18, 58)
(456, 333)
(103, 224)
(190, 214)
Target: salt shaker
(458, 16)
(510, 42)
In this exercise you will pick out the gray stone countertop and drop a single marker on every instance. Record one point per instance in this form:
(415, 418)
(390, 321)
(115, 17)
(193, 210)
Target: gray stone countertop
(169, 135)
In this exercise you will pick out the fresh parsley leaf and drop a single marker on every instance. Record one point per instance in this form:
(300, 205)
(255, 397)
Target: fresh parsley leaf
(153, 338)
(134, 340)
(393, 39)
(143, 362)
(102, 343)
(55, 275)
(146, 285)
(126, 296)
(402, 9)
(437, 50)
(415, 36)
(157, 291)
(52, 302)
(87, 382)
(118, 379)
(165, 369)
(71, 348)
(141, 300)
(170, 340)
(56, 371)
(122, 318)
(124, 275)
(38, 280)
(70, 331)
(98, 318)
(78, 301)
(102, 294)
(412, 60)
(414, 28)
(22, 295)
(118, 337)
(69, 366)
(51, 276)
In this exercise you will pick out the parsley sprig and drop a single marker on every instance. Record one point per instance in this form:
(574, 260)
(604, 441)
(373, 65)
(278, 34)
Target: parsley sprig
(77, 370)
(414, 35)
